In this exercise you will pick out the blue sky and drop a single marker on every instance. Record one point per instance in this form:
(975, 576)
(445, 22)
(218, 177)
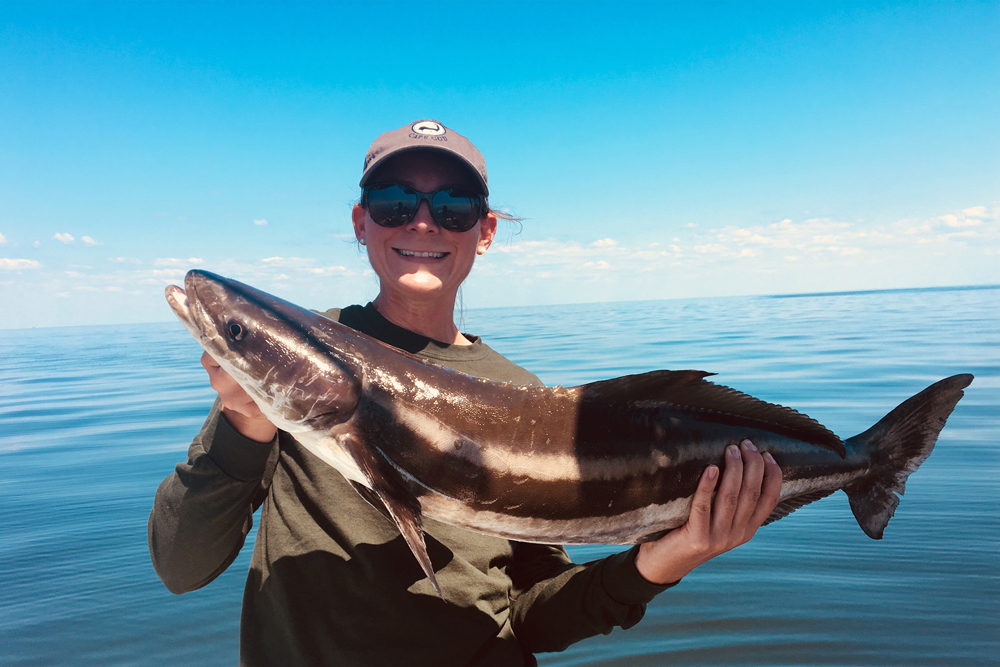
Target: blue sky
(656, 150)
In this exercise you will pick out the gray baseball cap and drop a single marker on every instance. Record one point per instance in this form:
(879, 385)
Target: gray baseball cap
(425, 135)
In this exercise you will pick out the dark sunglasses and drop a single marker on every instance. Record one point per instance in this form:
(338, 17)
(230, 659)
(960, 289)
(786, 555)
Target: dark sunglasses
(396, 205)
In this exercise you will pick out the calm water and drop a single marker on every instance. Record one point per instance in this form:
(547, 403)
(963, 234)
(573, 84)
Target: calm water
(91, 419)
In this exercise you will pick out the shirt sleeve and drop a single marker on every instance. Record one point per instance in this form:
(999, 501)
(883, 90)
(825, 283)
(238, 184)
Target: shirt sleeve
(204, 510)
(556, 602)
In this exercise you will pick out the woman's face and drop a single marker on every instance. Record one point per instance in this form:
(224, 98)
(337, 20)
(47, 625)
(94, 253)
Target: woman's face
(394, 252)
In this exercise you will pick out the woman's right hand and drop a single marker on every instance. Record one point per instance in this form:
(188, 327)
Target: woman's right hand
(237, 406)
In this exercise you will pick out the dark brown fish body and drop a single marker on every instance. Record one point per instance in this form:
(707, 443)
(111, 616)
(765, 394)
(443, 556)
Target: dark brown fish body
(612, 462)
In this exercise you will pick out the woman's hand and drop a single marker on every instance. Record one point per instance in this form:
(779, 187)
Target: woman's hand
(748, 493)
(239, 409)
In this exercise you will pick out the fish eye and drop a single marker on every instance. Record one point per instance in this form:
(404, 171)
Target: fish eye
(236, 330)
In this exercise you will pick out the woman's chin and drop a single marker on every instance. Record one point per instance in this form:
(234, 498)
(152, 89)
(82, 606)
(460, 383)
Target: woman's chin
(421, 285)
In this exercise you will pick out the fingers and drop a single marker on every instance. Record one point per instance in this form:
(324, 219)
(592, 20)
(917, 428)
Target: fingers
(727, 499)
(231, 394)
(747, 490)
(750, 490)
(700, 518)
(770, 495)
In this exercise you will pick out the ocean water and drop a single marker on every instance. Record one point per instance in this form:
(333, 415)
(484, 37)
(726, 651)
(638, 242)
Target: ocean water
(93, 418)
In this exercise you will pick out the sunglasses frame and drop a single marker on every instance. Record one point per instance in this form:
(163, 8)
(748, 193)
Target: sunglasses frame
(484, 207)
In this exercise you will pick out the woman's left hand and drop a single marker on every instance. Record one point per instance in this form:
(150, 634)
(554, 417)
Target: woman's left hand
(748, 493)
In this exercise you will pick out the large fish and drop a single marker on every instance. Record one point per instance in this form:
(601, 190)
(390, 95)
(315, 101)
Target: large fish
(610, 462)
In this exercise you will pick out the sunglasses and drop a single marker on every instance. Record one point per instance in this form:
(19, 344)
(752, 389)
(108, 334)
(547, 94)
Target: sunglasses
(396, 205)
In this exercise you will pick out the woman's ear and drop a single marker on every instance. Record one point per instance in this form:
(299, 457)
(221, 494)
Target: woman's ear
(487, 230)
(358, 216)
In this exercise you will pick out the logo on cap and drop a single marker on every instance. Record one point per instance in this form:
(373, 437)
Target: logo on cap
(428, 128)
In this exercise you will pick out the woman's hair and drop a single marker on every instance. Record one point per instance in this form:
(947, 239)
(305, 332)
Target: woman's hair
(515, 220)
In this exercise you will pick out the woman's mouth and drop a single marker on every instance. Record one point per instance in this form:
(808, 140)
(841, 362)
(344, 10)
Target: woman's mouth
(421, 254)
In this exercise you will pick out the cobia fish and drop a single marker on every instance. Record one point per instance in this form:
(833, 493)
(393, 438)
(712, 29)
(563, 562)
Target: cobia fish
(610, 462)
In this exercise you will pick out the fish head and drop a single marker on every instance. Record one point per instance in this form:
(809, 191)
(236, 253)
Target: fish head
(269, 347)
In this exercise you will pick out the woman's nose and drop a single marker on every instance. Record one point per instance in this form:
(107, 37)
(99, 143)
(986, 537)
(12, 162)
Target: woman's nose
(423, 221)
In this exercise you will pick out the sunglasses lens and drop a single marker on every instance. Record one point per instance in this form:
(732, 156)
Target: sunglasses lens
(391, 206)
(455, 210)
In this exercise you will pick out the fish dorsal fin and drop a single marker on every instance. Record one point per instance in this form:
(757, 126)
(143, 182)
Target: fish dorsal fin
(690, 392)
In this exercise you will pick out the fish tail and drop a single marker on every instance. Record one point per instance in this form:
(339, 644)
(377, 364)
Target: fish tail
(897, 445)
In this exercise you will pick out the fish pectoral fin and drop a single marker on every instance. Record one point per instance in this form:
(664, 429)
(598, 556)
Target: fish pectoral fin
(373, 500)
(390, 497)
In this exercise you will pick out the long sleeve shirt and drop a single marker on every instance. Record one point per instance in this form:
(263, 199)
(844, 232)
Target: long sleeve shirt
(331, 580)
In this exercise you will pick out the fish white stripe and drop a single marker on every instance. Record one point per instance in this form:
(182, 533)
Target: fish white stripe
(627, 528)
(497, 460)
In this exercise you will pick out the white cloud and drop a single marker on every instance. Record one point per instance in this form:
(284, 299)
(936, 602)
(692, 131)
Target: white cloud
(3, 239)
(604, 243)
(977, 222)
(305, 263)
(37, 244)
(529, 259)
(788, 240)
(811, 236)
(599, 264)
(977, 212)
(63, 237)
(261, 223)
(166, 273)
(327, 270)
(90, 241)
(18, 264)
(964, 221)
(174, 261)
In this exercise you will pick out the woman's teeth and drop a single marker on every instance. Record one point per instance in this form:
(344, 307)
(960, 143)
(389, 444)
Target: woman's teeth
(412, 253)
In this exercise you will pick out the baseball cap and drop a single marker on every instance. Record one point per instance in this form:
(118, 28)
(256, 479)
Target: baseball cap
(425, 135)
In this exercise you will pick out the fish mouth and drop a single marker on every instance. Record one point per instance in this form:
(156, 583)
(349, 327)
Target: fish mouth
(178, 301)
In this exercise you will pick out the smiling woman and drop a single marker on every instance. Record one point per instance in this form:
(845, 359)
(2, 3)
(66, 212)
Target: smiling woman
(331, 578)
(420, 262)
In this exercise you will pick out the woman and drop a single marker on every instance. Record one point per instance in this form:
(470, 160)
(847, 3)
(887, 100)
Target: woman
(331, 581)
